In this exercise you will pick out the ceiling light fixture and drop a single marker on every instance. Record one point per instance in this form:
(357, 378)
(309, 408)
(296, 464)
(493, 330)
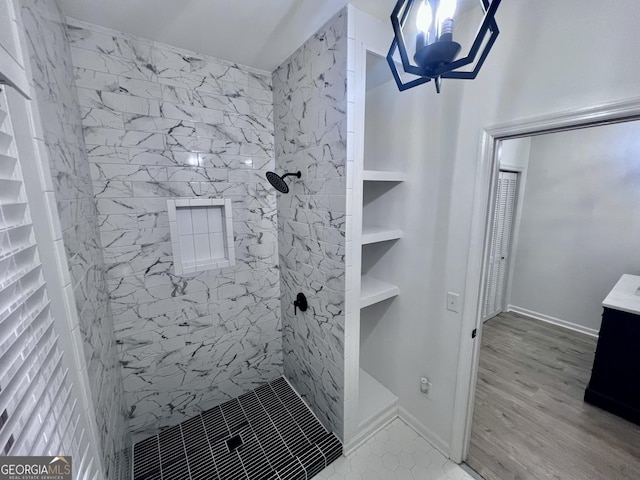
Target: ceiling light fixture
(435, 51)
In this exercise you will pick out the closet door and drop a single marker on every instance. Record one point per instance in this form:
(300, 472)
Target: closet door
(505, 205)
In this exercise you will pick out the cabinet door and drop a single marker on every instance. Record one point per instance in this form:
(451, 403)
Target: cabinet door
(616, 370)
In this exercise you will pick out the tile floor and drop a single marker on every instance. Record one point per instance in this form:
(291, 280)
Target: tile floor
(395, 453)
(266, 434)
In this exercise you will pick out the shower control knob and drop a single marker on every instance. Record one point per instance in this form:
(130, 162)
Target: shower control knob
(300, 303)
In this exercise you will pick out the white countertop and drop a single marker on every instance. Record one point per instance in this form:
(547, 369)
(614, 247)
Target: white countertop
(625, 295)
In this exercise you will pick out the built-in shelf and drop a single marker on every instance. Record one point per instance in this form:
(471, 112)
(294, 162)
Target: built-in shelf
(383, 176)
(373, 291)
(373, 398)
(372, 234)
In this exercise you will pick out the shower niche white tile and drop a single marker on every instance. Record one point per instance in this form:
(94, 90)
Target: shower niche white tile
(201, 234)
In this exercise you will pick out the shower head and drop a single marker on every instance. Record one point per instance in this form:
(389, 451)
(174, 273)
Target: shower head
(278, 181)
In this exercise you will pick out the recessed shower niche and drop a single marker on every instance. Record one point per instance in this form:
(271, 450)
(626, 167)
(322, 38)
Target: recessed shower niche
(201, 234)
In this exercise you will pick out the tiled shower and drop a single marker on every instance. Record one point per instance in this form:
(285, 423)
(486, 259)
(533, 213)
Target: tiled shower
(184, 126)
(131, 127)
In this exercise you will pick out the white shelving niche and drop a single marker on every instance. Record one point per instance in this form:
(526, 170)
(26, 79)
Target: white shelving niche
(380, 233)
(201, 234)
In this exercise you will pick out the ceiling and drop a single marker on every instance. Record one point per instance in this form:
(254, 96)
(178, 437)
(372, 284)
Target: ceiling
(257, 33)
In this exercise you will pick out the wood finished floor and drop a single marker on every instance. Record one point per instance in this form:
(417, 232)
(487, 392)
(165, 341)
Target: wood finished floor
(530, 420)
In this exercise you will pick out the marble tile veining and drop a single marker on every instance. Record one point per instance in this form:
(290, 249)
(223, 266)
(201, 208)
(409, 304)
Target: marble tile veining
(310, 102)
(163, 123)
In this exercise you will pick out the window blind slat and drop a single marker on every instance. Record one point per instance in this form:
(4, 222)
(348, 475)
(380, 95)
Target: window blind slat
(10, 189)
(12, 252)
(24, 298)
(21, 236)
(69, 415)
(7, 166)
(5, 142)
(21, 286)
(12, 214)
(20, 360)
(53, 430)
(24, 386)
(17, 265)
(18, 229)
(22, 316)
(40, 416)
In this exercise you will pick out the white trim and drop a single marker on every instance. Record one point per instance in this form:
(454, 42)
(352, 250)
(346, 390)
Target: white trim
(613, 112)
(386, 418)
(370, 428)
(553, 320)
(466, 377)
(424, 432)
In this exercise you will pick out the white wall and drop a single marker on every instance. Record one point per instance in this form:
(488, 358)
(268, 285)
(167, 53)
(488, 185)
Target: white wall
(544, 61)
(580, 222)
(559, 57)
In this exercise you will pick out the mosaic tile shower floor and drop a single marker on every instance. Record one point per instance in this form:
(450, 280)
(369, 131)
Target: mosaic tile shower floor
(268, 433)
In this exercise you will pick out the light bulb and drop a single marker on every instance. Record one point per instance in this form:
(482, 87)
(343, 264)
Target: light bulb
(424, 17)
(446, 9)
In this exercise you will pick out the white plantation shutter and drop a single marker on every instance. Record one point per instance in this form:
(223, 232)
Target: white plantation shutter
(12, 72)
(500, 243)
(34, 396)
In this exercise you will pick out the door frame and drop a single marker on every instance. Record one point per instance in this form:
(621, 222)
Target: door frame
(482, 214)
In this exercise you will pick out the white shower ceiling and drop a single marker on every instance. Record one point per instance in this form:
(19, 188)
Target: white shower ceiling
(258, 33)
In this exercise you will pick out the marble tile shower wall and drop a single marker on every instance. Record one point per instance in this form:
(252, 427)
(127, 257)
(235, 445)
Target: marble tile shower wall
(64, 147)
(161, 122)
(310, 102)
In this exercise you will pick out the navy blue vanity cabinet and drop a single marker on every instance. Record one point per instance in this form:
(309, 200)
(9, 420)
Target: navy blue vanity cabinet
(615, 379)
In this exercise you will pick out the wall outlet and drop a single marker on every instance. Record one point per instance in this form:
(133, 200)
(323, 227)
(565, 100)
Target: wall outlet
(425, 387)
(453, 302)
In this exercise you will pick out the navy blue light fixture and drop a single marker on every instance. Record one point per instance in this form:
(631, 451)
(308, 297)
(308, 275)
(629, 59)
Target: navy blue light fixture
(436, 51)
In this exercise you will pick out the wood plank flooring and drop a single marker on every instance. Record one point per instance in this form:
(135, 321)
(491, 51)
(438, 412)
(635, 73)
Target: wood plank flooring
(530, 420)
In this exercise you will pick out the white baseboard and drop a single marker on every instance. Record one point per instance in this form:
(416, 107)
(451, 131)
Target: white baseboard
(370, 428)
(439, 444)
(554, 321)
